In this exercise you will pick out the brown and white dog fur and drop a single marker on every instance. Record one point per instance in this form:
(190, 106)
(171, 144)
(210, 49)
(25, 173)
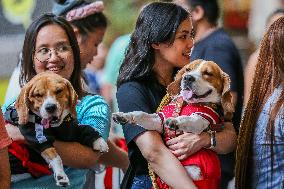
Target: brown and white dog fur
(198, 82)
(47, 90)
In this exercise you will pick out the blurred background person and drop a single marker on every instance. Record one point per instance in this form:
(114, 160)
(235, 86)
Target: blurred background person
(252, 61)
(94, 70)
(257, 22)
(113, 62)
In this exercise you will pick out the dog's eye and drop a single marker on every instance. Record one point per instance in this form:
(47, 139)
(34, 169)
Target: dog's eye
(58, 91)
(37, 95)
(187, 69)
(207, 73)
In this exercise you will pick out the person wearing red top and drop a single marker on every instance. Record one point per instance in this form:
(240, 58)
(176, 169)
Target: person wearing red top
(5, 174)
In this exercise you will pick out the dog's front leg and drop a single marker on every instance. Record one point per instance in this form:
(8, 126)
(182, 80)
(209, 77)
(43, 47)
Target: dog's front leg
(53, 159)
(145, 120)
(100, 145)
(193, 123)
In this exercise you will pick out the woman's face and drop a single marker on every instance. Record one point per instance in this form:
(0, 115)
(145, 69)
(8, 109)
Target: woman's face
(89, 45)
(53, 51)
(178, 53)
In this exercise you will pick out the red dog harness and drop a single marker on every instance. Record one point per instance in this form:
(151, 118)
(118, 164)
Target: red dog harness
(205, 159)
(19, 149)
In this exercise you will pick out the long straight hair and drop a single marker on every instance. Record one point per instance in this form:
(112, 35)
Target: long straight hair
(268, 76)
(27, 68)
(157, 23)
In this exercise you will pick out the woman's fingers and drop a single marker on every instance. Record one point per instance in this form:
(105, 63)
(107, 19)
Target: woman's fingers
(14, 132)
(172, 141)
(174, 147)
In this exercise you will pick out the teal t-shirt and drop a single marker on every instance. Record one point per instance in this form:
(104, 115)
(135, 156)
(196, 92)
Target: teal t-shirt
(114, 59)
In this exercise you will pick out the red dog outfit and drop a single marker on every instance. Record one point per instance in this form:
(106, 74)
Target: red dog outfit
(205, 159)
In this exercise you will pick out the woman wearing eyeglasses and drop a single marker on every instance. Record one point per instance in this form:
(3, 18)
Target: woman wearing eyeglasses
(50, 45)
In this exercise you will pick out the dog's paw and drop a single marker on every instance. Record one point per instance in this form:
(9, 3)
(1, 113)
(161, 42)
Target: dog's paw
(119, 117)
(100, 145)
(171, 123)
(61, 179)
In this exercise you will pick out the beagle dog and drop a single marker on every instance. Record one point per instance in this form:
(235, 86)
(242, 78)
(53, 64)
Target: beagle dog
(201, 100)
(46, 110)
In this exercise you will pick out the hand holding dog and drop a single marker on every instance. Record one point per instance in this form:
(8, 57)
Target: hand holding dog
(187, 144)
(14, 132)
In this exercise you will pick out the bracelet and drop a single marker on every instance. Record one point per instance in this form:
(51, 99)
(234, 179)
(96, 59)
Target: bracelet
(212, 139)
(162, 122)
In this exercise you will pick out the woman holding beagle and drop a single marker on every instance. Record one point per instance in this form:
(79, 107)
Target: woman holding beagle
(55, 48)
(260, 151)
(160, 44)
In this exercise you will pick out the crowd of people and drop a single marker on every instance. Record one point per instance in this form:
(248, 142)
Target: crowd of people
(133, 75)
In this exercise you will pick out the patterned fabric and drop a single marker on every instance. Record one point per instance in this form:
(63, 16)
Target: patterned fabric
(205, 159)
(94, 111)
(85, 11)
(262, 173)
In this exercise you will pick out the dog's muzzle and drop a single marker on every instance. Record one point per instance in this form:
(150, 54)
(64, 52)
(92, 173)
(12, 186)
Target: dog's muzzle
(188, 79)
(188, 88)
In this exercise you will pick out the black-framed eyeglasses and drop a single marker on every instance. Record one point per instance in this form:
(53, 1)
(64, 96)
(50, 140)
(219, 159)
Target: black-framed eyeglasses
(43, 54)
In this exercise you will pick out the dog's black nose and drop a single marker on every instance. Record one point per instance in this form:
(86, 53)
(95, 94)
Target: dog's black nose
(50, 108)
(189, 78)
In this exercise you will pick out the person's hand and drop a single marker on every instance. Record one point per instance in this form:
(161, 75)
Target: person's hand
(14, 132)
(187, 144)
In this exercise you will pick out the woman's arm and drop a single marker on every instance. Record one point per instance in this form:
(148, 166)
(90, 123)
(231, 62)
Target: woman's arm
(76, 155)
(5, 173)
(188, 143)
(164, 163)
(73, 154)
(115, 157)
(226, 140)
(94, 111)
(14, 132)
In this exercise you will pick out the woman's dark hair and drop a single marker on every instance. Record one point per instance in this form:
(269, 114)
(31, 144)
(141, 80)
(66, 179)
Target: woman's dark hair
(27, 64)
(84, 25)
(157, 23)
(210, 7)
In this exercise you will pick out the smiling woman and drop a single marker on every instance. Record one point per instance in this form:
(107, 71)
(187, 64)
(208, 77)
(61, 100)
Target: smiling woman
(89, 27)
(53, 35)
(156, 50)
(50, 50)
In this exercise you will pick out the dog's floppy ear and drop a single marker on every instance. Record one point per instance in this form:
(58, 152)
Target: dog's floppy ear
(173, 88)
(22, 104)
(73, 97)
(227, 98)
